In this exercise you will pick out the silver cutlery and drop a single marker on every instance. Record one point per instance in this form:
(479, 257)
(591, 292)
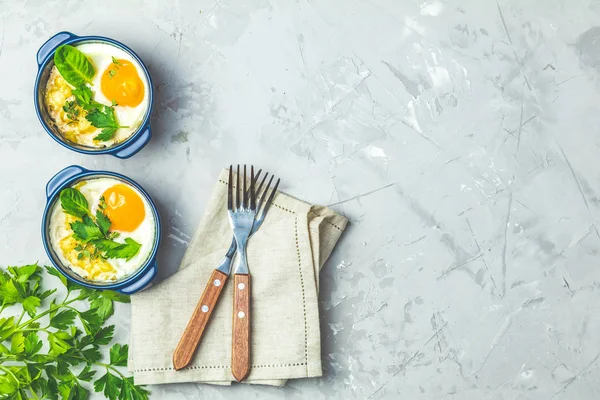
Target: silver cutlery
(246, 215)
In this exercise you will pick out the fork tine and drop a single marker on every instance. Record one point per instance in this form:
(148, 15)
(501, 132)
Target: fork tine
(245, 193)
(270, 199)
(252, 192)
(261, 200)
(229, 189)
(237, 188)
(258, 190)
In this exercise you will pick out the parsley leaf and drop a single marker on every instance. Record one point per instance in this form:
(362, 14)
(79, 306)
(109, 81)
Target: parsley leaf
(103, 222)
(104, 335)
(127, 250)
(118, 355)
(87, 374)
(32, 344)
(17, 344)
(83, 95)
(86, 230)
(63, 319)
(105, 134)
(58, 360)
(30, 304)
(104, 117)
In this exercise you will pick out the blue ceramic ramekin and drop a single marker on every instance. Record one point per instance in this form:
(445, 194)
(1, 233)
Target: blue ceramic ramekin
(69, 177)
(45, 61)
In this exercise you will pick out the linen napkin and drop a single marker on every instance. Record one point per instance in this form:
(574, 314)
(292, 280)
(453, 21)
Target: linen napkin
(284, 256)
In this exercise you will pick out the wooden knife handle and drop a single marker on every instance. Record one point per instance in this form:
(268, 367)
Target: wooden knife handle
(240, 347)
(195, 328)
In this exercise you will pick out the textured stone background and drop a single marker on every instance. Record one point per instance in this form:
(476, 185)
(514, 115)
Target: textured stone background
(459, 137)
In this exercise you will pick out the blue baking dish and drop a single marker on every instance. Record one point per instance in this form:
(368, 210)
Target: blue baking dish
(69, 177)
(45, 61)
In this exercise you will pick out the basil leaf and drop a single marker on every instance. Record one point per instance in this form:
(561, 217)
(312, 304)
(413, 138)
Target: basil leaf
(73, 202)
(73, 65)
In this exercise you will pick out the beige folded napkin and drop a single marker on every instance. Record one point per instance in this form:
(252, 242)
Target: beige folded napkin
(284, 256)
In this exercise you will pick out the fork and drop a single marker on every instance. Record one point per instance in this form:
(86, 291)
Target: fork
(241, 219)
(196, 326)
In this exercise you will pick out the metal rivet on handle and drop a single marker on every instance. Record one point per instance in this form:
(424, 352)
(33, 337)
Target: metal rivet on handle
(217, 282)
(241, 286)
(241, 314)
(204, 308)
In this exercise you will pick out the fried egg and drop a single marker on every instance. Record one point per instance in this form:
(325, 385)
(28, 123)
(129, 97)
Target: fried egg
(119, 80)
(130, 215)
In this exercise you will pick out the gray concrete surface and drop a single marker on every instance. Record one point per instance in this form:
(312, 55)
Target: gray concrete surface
(459, 137)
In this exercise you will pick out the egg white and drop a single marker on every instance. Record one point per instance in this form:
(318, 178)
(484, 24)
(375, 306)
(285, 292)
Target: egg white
(100, 55)
(144, 234)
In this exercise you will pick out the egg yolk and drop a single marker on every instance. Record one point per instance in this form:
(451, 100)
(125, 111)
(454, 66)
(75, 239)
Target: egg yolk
(124, 208)
(122, 84)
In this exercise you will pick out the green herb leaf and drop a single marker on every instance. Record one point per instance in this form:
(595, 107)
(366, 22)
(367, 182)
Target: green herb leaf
(83, 95)
(86, 230)
(132, 392)
(92, 354)
(72, 390)
(28, 370)
(118, 355)
(8, 386)
(106, 134)
(9, 293)
(73, 202)
(57, 345)
(104, 307)
(6, 326)
(73, 65)
(17, 343)
(112, 249)
(30, 304)
(103, 222)
(102, 301)
(87, 374)
(104, 335)
(63, 319)
(33, 344)
(100, 383)
(113, 387)
(103, 118)
(91, 320)
(70, 108)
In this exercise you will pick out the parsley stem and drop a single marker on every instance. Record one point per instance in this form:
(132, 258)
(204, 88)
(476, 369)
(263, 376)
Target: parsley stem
(110, 367)
(40, 315)
(20, 317)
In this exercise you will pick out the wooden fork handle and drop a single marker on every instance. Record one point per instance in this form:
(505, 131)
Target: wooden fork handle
(240, 347)
(195, 328)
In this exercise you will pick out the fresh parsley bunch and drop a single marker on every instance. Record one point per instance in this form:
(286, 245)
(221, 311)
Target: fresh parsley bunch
(92, 232)
(54, 348)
